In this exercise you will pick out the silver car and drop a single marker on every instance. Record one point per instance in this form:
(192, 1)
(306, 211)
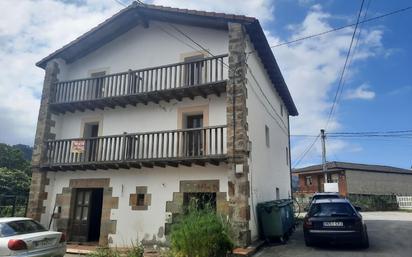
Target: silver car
(27, 238)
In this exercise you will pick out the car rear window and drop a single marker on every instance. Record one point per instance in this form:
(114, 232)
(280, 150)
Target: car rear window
(317, 197)
(331, 209)
(20, 227)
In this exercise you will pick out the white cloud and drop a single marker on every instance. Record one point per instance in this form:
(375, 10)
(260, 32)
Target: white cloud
(312, 68)
(362, 92)
(30, 30)
(261, 9)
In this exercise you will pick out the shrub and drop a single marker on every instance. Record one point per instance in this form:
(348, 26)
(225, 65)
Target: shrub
(200, 233)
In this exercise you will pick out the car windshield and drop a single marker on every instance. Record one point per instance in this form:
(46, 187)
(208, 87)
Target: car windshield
(331, 209)
(20, 227)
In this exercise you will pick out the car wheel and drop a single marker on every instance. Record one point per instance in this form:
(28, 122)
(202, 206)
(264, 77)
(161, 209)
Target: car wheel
(365, 241)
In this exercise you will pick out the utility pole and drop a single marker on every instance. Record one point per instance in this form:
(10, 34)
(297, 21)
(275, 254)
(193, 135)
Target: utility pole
(324, 167)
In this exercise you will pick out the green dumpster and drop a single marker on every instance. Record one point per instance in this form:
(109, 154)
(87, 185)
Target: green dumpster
(276, 219)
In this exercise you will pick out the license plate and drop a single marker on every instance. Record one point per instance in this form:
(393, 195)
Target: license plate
(43, 243)
(333, 224)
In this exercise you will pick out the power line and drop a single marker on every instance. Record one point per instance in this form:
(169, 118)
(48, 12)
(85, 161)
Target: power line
(339, 28)
(341, 84)
(372, 132)
(306, 152)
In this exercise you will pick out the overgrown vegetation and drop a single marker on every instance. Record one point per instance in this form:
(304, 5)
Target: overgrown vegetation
(14, 170)
(374, 202)
(201, 233)
(15, 176)
(135, 251)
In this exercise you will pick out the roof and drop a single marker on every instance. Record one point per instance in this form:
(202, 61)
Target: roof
(334, 166)
(332, 200)
(137, 13)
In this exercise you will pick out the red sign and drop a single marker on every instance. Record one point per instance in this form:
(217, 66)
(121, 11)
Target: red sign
(77, 146)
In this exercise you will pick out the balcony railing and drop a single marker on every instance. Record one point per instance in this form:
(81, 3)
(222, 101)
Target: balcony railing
(172, 147)
(184, 79)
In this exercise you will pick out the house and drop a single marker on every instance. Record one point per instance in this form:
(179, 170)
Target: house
(150, 109)
(356, 179)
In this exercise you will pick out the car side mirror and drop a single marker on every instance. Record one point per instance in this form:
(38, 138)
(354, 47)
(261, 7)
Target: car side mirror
(357, 208)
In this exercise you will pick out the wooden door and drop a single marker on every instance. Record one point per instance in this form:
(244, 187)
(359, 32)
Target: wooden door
(81, 217)
(194, 140)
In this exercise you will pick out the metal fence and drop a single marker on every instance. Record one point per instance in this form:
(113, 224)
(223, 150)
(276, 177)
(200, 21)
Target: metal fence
(404, 202)
(13, 205)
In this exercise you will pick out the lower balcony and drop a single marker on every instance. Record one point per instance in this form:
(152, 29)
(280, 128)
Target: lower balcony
(162, 148)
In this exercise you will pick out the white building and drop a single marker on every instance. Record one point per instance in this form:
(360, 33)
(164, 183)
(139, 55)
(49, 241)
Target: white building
(136, 119)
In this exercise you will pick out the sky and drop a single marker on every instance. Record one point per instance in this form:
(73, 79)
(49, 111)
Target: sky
(377, 84)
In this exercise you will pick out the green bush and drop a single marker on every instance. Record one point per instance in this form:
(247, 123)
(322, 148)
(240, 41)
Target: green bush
(374, 202)
(201, 233)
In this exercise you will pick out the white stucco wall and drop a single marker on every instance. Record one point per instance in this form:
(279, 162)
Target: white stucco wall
(146, 47)
(140, 118)
(133, 226)
(268, 167)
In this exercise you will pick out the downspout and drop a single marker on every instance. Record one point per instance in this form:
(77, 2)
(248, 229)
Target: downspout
(290, 161)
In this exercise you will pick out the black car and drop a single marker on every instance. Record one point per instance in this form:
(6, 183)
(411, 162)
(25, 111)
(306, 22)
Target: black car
(334, 220)
(318, 196)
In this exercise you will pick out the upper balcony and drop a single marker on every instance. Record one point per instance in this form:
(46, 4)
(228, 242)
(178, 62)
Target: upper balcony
(163, 83)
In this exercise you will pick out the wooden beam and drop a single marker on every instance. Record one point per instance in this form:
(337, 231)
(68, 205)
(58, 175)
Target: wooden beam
(173, 164)
(214, 162)
(200, 162)
(147, 164)
(160, 164)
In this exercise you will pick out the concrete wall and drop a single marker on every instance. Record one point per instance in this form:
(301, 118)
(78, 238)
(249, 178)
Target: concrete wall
(133, 225)
(145, 47)
(269, 168)
(378, 183)
(153, 117)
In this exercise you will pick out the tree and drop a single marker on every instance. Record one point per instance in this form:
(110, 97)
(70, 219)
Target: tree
(15, 172)
(13, 158)
(14, 182)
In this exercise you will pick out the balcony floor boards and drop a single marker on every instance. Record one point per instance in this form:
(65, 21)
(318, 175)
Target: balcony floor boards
(191, 92)
(138, 164)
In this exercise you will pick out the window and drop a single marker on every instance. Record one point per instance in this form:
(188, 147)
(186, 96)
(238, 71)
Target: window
(194, 70)
(267, 136)
(140, 200)
(98, 84)
(331, 209)
(200, 200)
(20, 227)
(335, 178)
(308, 180)
(277, 193)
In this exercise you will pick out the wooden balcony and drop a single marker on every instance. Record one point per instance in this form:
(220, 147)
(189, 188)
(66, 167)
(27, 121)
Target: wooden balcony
(163, 83)
(161, 148)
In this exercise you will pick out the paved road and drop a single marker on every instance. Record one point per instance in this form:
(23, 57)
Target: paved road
(389, 235)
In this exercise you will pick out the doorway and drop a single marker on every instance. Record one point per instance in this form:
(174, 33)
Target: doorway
(87, 215)
(91, 132)
(194, 139)
(194, 70)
